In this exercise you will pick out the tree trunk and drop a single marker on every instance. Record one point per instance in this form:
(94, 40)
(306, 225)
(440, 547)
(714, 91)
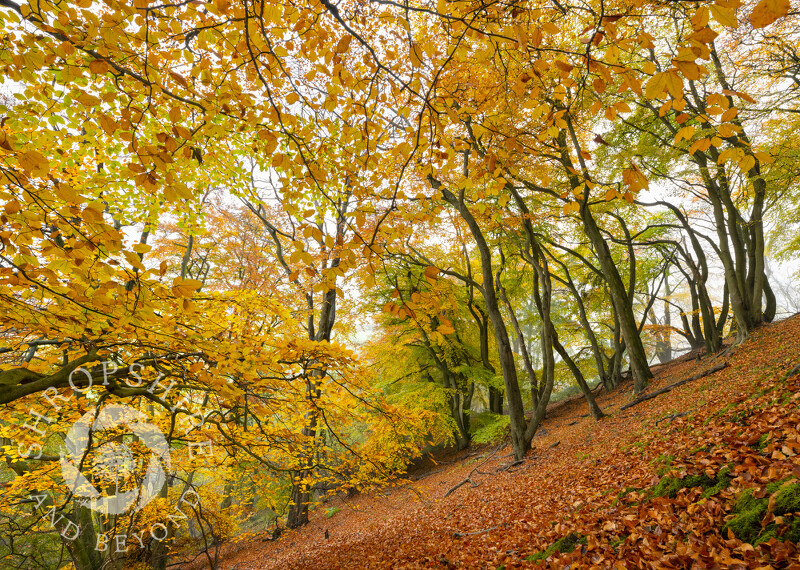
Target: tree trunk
(83, 550)
(595, 410)
(519, 441)
(622, 303)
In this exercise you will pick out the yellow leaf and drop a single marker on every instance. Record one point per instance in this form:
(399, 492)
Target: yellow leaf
(185, 287)
(416, 55)
(549, 27)
(183, 132)
(702, 145)
(93, 214)
(726, 130)
(729, 114)
(674, 84)
(705, 35)
(763, 157)
(34, 163)
(142, 248)
(690, 69)
(134, 260)
(445, 329)
(564, 66)
(88, 100)
(656, 86)
(684, 133)
(700, 18)
(747, 163)
(725, 155)
(599, 85)
(767, 11)
(724, 16)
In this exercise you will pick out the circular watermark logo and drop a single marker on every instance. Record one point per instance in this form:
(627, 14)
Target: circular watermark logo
(116, 461)
(113, 461)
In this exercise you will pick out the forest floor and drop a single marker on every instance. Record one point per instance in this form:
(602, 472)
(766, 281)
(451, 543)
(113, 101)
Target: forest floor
(703, 476)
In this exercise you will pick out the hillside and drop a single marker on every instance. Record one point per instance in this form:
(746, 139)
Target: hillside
(674, 482)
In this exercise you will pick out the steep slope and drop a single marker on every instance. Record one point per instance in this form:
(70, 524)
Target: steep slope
(702, 476)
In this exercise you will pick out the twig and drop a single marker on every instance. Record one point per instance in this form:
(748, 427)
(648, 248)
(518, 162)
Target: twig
(791, 373)
(469, 477)
(464, 482)
(671, 417)
(651, 395)
(428, 474)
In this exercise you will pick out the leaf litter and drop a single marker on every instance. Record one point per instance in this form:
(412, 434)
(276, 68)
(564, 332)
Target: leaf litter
(661, 485)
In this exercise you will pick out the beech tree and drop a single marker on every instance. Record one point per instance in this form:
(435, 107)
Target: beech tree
(482, 162)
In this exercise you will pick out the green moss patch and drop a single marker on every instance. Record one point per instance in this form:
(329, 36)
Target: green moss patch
(669, 486)
(563, 545)
(748, 512)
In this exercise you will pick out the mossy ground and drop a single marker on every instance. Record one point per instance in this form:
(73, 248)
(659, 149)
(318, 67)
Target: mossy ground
(566, 544)
(749, 512)
(669, 486)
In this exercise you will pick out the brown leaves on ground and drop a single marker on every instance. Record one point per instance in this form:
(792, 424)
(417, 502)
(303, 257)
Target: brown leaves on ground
(597, 483)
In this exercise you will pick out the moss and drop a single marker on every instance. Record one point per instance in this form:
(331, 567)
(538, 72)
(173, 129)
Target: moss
(488, 428)
(663, 463)
(761, 443)
(748, 512)
(622, 493)
(723, 478)
(564, 545)
(793, 532)
(775, 485)
(669, 486)
(788, 499)
(615, 544)
(719, 413)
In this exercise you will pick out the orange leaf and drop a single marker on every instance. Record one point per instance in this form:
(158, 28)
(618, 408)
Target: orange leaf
(767, 11)
(98, 66)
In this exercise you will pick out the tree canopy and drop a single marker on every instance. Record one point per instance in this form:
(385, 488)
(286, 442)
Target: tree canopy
(308, 242)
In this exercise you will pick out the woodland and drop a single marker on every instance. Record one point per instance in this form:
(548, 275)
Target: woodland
(258, 254)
